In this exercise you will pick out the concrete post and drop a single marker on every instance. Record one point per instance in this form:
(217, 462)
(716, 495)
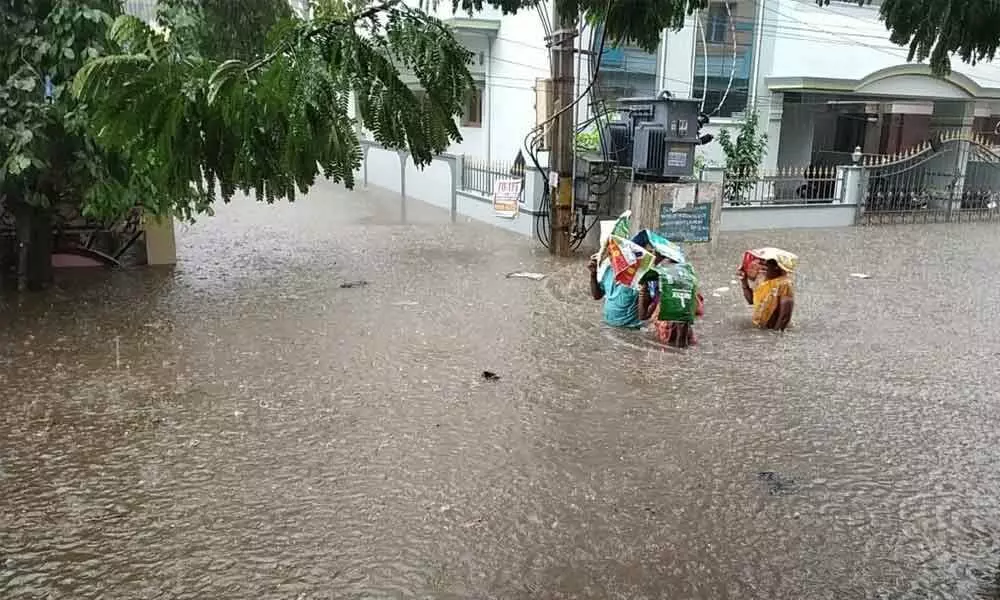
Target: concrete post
(457, 167)
(964, 152)
(402, 186)
(534, 187)
(848, 187)
(364, 161)
(161, 245)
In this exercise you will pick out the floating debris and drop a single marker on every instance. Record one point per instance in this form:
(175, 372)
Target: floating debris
(353, 284)
(861, 275)
(490, 376)
(775, 483)
(526, 275)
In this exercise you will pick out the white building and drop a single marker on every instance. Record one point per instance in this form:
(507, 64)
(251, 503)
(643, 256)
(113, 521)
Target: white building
(825, 79)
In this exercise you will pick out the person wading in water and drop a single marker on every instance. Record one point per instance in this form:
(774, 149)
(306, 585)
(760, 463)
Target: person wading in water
(621, 302)
(773, 299)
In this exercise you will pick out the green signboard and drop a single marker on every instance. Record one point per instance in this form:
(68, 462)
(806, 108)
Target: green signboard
(689, 224)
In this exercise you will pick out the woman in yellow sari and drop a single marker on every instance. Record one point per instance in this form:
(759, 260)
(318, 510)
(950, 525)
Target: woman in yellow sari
(773, 298)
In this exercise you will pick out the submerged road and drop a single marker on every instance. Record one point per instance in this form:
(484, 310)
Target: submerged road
(245, 426)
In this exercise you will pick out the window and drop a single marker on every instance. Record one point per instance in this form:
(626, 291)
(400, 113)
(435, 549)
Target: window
(717, 24)
(473, 114)
(718, 100)
(626, 71)
(723, 65)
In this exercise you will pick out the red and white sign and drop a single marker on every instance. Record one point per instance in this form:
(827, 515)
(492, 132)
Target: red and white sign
(506, 196)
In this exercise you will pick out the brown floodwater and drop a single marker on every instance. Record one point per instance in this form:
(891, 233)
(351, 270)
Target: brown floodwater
(245, 427)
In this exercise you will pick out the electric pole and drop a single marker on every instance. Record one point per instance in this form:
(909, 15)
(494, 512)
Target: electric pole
(561, 158)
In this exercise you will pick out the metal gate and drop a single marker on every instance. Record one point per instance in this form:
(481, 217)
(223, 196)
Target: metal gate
(954, 180)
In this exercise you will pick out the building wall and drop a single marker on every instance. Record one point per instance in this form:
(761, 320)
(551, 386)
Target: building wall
(519, 59)
(843, 41)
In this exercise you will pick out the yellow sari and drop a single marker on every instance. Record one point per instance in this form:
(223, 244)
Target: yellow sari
(767, 297)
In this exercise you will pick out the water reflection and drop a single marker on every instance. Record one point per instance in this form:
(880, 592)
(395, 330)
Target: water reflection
(264, 432)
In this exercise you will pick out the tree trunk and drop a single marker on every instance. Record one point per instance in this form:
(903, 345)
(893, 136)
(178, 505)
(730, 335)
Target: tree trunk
(34, 247)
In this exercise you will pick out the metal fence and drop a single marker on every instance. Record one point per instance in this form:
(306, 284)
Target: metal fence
(808, 185)
(956, 181)
(479, 175)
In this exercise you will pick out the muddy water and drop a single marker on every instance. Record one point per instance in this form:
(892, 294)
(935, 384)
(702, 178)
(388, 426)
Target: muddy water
(244, 427)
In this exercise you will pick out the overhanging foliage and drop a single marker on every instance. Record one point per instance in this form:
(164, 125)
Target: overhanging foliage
(936, 29)
(275, 124)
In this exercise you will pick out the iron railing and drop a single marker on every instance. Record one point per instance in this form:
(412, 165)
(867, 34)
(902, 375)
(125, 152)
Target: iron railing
(479, 175)
(806, 185)
(957, 180)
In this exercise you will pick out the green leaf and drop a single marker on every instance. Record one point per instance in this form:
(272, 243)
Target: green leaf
(68, 53)
(26, 84)
(17, 163)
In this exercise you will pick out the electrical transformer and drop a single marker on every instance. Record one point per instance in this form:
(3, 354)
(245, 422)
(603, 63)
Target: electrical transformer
(656, 136)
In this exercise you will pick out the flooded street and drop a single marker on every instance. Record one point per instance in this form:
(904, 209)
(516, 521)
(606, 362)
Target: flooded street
(245, 427)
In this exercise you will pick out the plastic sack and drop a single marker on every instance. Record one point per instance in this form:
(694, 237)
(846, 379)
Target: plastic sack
(678, 292)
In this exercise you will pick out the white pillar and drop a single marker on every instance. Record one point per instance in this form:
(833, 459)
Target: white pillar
(161, 247)
(771, 115)
(848, 190)
(964, 151)
(677, 71)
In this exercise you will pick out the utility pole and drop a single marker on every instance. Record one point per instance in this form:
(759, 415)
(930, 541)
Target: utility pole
(561, 158)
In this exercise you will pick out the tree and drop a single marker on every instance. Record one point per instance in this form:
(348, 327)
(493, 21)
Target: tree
(48, 159)
(274, 124)
(939, 28)
(743, 158)
(224, 29)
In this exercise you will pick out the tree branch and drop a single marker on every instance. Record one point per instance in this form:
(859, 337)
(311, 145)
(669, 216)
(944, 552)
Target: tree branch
(284, 46)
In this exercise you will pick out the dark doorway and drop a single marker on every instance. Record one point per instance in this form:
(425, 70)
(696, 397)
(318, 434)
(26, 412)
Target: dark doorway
(851, 128)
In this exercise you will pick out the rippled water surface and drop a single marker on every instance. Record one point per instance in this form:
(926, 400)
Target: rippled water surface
(244, 427)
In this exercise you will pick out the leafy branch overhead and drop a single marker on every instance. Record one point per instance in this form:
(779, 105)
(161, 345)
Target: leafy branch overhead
(936, 29)
(275, 124)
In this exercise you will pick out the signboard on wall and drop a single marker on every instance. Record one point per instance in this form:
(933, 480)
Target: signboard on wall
(689, 224)
(506, 197)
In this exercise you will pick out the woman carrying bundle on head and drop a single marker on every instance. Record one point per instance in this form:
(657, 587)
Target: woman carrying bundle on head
(765, 277)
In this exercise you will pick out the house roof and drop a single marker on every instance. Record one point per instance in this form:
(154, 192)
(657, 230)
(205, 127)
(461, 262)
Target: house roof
(489, 27)
(912, 79)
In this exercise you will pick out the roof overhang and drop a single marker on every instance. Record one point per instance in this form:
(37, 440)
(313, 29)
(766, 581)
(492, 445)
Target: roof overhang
(880, 83)
(487, 27)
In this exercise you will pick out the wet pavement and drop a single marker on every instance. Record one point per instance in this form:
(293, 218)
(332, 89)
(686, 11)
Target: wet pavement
(246, 427)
